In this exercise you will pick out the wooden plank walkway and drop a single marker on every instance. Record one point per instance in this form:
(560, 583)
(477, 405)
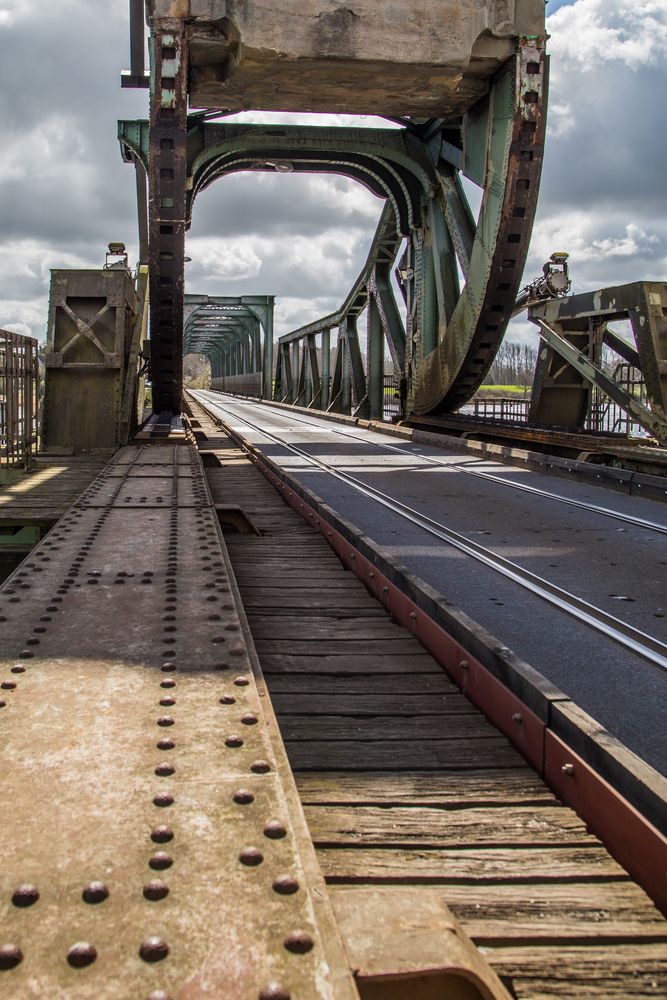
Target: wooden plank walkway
(43, 495)
(404, 782)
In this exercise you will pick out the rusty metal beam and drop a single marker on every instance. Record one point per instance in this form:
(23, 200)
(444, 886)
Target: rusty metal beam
(155, 844)
(167, 194)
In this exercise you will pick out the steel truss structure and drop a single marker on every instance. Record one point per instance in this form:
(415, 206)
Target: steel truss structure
(236, 334)
(460, 279)
(574, 330)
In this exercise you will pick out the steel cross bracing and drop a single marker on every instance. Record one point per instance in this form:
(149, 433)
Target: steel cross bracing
(236, 334)
(451, 332)
(154, 845)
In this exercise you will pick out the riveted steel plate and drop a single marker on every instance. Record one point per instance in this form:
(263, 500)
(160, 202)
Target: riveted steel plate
(148, 848)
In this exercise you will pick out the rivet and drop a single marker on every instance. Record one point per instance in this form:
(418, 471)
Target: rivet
(166, 702)
(10, 956)
(27, 654)
(463, 664)
(167, 684)
(165, 720)
(162, 834)
(165, 745)
(164, 770)
(81, 954)
(298, 942)
(285, 885)
(155, 890)
(158, 995)
(2, 703)
(163, 800)
(260, 767)
(568, 769)
(25, 895)
(18, 669)
(243, 797)
(275, 830)
(274, 991)
(153, 949)
(517, 717)
(160, 860)
(249, 720)
(241, 681)
(251, 856)
(234, 740)
(227, 700)
(95, 892)
(8, 685)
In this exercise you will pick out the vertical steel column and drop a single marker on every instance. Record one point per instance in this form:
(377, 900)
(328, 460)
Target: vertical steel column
(375, 361)
(295, 371)
(315, 384)
(142, 209)
(326, 369)
(267, 368)
(356, 364)
(167, 184)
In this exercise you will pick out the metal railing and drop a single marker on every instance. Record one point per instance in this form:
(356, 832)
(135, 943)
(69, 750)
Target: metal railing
(19, 398)
(505, 408)
(608, 416)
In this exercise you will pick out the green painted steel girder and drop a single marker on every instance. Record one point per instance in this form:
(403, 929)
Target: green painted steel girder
(452, 333)
(234, 332)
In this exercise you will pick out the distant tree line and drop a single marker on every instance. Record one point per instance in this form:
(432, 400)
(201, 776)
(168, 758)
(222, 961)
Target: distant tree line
(514, 364)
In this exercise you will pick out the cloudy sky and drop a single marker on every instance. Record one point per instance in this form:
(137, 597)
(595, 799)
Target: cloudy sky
(64, 192)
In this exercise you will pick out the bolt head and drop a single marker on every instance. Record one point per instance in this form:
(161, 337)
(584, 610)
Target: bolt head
(25, 895)
(285, 885)
(10, 956)
(95, 892)
(251, 857)
(298, 942)
(81, 954)
(153, 949)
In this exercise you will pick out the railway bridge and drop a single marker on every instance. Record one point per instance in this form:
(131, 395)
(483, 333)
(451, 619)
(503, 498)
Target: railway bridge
(314, 684)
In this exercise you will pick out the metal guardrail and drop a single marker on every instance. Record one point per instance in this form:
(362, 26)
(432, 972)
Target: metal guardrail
(19, 398)
(505, 408)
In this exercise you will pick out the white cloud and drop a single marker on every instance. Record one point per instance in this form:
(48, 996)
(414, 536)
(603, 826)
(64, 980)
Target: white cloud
(231, 260)
(590, 33)
(65, 192)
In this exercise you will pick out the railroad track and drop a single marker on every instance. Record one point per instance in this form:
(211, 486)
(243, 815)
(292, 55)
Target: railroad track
(410, 795)
(652, 650)
(415, 451)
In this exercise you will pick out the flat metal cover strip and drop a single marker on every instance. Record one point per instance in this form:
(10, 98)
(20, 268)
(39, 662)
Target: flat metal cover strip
(147, 850)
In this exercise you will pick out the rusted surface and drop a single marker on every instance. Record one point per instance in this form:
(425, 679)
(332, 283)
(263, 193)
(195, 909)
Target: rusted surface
(425, 951)
(429, 57)
(634, 842)
(166, 208)
(19, 388)
(449, 375)
(150, 845)
(91, 359)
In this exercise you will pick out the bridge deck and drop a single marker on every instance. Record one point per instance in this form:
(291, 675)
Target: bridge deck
(148, 848)
(404, 783)
(495, 541)
(41, 496)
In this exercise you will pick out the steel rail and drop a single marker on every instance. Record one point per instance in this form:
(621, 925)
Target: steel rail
(637, 522)
(638, 642)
